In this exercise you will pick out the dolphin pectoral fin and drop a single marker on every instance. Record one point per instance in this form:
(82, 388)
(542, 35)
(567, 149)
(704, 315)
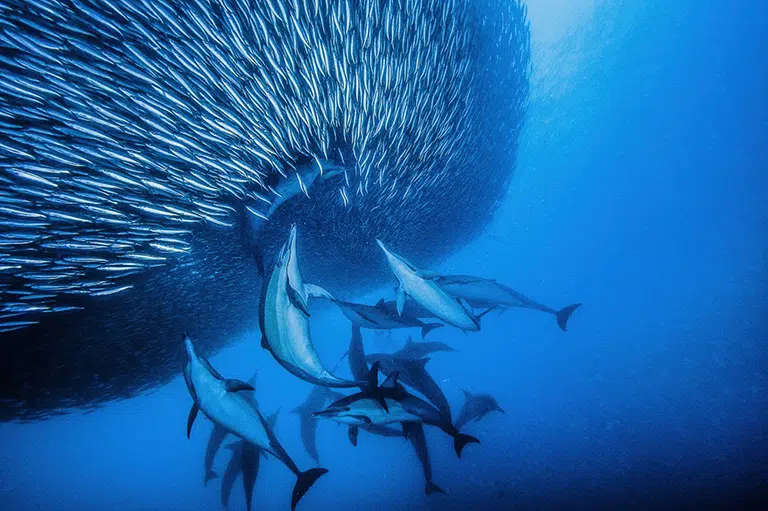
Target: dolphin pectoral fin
(400, 300)
(316, 291)
(296, 298)
(234, 385)
(352, 433)
(191, 417)
(564, 314)
(383, 402)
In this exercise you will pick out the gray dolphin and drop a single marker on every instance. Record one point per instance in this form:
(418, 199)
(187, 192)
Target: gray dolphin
(476, 406)
(479, 292)
(306, 176)
(378, 318)
(412, 372)
(223, 402)
(414, 432)
(419, 285)
(415, 350)
(316, 400)
(390, 403)
(284, 320)
(218, 434)
(245, 460)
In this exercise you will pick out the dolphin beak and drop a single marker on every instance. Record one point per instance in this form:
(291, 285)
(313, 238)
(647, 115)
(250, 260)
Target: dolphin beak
(500, 409)
(324, 413)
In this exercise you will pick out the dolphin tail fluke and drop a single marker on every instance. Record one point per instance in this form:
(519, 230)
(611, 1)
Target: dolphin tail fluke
(433, 488)
(428, 328)
(564, 314)
(460, 440)
(210, 475)
(304, 482)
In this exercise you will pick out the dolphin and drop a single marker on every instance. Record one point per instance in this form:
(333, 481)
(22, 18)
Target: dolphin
(218, 434)
(390, 403)
(287, 189)
(415, 350)
(413, 373)
(378, 318)
(224, 403)
(420, 286)
(413, 431)
(481, 293)
(306, 176)
(284, 320)
(316, 400)
(245, 460)
(476, 406)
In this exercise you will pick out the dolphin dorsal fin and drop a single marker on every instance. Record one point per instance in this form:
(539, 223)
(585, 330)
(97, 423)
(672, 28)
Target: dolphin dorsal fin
(380, 303)
(373, 377)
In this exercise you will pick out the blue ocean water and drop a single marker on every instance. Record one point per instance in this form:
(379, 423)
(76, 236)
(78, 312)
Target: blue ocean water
(640, 192)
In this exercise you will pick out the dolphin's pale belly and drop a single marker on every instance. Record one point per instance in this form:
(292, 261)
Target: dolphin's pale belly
(231, 410)
(378, 415)
(438, 302)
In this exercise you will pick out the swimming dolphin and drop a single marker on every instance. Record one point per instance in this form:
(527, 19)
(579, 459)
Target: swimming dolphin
(365, 407)
(302, 182)
(378, 318)
(244, 460)
(413, 431)
(414, 350)
(412, 372)
(284, 320)
(223, 402)
(476, 406)
(292, 186)
(481, 293)
(420, 286)
(316, 400)
(218, 434)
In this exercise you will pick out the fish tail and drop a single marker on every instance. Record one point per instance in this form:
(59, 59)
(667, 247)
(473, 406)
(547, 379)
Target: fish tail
(428, 327)
(565, 313)
(460, 440)
(304, 481)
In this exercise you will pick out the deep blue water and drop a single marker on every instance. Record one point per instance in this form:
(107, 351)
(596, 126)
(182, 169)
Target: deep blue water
(641, 192)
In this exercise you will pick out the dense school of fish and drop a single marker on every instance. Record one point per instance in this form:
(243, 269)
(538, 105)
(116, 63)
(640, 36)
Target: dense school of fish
(387, 409)
(124, 123)
(133, 133)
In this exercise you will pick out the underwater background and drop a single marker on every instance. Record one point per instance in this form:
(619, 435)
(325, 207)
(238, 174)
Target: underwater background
(640, 191)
